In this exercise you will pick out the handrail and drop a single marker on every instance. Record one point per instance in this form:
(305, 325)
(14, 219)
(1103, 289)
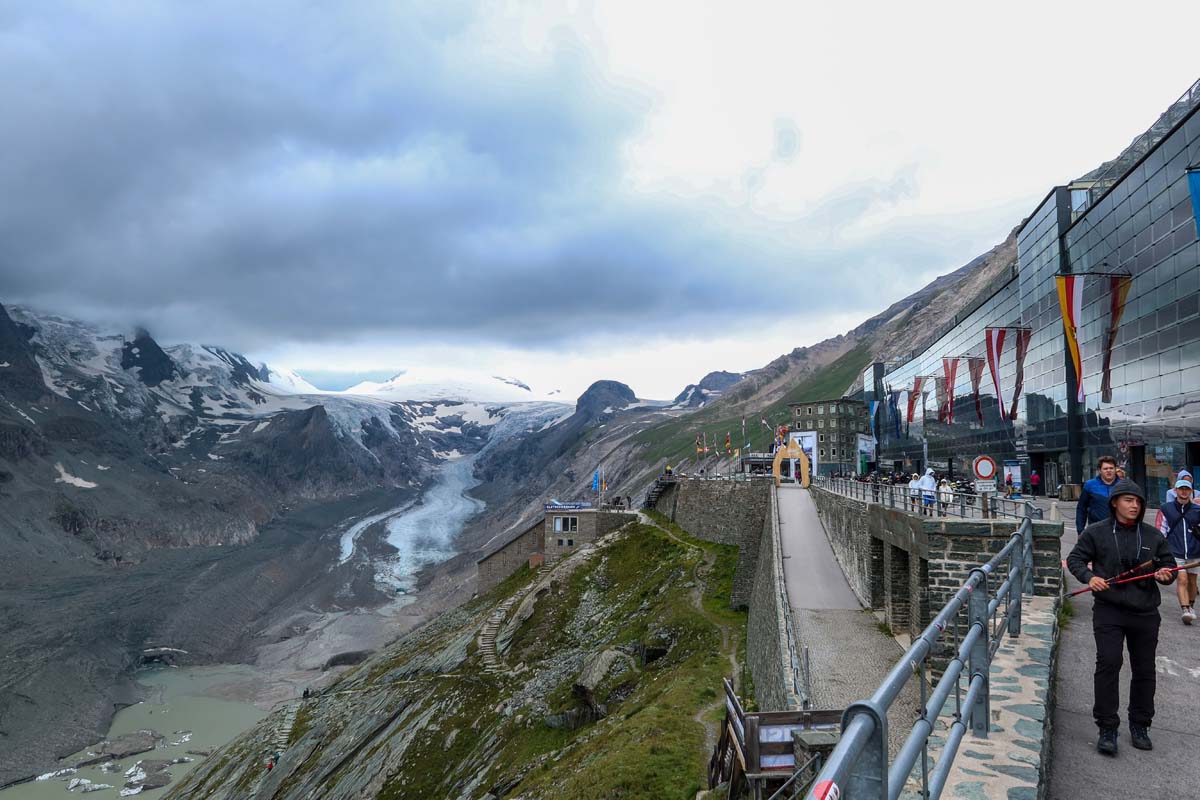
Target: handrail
(859, 766)
(940, 503)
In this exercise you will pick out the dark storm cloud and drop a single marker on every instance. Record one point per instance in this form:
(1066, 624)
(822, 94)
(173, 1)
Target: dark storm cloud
(248, 173)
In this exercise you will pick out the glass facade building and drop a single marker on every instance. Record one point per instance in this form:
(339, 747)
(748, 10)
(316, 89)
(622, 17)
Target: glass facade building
(1136, 220)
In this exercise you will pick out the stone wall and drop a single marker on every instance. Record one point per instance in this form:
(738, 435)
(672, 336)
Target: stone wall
(771, 652)
(727, 512)
(497, 566)
(909, 566)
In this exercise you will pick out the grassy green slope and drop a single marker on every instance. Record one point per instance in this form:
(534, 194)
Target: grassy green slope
(459, 731)
(674, 440)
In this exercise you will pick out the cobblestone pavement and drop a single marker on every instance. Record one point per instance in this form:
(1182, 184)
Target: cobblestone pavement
(1005, 764)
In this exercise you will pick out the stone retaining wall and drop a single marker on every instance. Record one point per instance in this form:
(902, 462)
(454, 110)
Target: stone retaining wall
(726, 512)
(909, 566)
(770, 649)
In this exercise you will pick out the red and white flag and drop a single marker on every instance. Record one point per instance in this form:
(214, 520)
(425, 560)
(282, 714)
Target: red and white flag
(994, 337)
(975, 366)
(949, 369)
(1023, 337)
(918, 384)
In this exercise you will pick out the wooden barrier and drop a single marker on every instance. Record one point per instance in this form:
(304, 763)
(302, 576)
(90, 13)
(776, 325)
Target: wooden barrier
(757, 749)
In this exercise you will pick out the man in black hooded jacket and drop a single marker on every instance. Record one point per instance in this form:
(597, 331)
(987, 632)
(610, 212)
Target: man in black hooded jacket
(1124, 613)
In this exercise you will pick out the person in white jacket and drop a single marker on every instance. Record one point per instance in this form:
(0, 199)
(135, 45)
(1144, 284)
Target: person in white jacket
(928, 487)
(945, 496)
(914, 493)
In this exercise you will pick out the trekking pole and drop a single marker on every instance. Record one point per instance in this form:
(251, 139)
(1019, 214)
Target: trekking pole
(1115, 578)
(1189, 565)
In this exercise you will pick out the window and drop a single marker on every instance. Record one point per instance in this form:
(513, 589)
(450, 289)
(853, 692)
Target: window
(566, 525)
(820, 423)
(810, 411)
(833, 423)
(560, 542)
(570, 542)
(822, 452)
(821, 437)
(820, 409)
(833, 452)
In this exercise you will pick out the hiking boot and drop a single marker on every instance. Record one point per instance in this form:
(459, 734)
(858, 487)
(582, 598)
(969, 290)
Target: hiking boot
(1107, 743)
(1189, 616)
(1139, 736)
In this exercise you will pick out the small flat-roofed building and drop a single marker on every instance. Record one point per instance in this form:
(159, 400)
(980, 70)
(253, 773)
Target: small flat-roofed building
(569, 525)
(563, 529)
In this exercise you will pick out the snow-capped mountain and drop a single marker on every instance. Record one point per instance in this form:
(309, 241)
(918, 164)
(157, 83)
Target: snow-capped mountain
(285, 379)
(451, 384)
(239, 436)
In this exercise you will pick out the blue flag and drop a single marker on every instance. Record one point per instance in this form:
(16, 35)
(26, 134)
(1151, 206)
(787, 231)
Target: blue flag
(1194, 185)
(596, 481)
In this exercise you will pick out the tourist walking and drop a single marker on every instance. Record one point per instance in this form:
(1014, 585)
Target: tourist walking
(914, 493)
(1183, 475)
(928, 485)
(1035, 482)
(945, 496)
(1123, 614)
(1093, 500)
(1180, 519)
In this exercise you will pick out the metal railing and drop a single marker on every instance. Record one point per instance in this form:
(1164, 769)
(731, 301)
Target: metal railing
(936, 504)
(859, 766)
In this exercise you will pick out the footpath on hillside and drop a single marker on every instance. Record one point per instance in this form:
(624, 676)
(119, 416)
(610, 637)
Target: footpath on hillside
(831, 622)
(1172, 768)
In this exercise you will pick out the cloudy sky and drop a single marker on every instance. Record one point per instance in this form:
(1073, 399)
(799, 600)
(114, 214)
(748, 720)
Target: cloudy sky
(561, 192)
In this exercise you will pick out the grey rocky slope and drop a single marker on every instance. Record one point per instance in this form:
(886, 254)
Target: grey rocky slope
(174, 495)
(710, 387)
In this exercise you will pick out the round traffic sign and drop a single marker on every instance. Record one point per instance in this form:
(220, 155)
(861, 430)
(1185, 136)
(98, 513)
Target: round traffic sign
(985, 468)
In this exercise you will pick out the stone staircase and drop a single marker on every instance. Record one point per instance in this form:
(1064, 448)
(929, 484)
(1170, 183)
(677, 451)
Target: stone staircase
(283, 731)
(487, 636)
(495, 620)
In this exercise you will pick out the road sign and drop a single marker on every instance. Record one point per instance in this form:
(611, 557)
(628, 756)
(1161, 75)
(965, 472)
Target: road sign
(985, 468)
(983, 487)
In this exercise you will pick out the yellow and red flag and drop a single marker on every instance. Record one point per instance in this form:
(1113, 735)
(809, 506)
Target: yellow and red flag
(1070, 303)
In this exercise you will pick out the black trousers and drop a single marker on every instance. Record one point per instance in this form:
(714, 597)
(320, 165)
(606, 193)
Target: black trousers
(1115, 629)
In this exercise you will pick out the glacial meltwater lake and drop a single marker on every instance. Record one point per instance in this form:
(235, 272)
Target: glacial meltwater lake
(181, 706)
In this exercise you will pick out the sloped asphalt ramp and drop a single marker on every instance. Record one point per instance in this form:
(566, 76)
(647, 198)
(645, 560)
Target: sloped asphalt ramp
(849, 654)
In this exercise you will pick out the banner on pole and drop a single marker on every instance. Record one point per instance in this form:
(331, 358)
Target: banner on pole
(918, 385)
(1118, 291)
(1194, 185)
(1023, 337)
(950, 371)
(1070, 303)
(994, 339)
(975, 367)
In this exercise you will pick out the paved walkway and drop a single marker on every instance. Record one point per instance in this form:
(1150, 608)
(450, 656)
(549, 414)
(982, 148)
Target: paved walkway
(1172, 769)
(849, 654)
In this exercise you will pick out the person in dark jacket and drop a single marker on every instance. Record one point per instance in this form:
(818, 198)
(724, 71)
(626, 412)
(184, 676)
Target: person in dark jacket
(1125, 614)
(1093, 501)
(1180, 519)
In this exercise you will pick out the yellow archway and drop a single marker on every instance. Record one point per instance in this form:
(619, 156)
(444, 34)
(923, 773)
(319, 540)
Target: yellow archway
(791, 450)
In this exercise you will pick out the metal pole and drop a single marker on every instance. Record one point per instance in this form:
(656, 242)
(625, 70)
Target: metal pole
(1027, 534)
(1017, 570)
(977, 614)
